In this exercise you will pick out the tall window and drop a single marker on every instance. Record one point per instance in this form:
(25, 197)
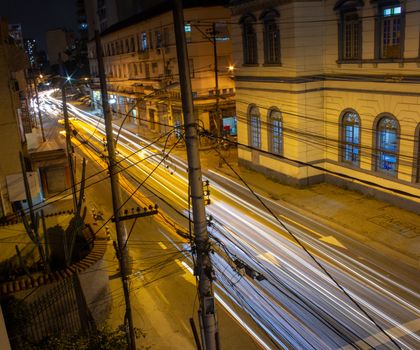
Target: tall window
(417, 162)
(387, 145)
(187, 29)
(143, 41)
(351, 36)
(276, 131)
(249, 40)
(271, 39)
(255, 127)
(350, 138)
(391, 29)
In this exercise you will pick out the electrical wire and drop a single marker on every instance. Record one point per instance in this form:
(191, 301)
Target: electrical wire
(315, 260)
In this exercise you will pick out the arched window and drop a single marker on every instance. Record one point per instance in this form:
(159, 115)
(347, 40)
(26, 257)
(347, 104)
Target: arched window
(350, 138)
(387, 145)
(249, 40)
(255, 127)
(276, 131)
(271, 38)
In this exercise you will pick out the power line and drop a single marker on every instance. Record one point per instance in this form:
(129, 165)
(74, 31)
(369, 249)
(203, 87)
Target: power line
(315, 260)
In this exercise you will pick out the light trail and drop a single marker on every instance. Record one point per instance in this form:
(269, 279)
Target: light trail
(257, 233)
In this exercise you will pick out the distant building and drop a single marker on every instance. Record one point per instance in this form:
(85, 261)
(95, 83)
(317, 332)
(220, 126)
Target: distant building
(82, 19)
(142, 71)
(102, 14)
(330, 91)
(32, 51)
(59, 41)
(15, 31)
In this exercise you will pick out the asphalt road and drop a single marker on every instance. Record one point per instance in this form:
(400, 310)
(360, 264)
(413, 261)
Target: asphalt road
(293, 301)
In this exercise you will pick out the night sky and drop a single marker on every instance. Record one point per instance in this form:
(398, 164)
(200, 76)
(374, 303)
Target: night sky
(39, 16)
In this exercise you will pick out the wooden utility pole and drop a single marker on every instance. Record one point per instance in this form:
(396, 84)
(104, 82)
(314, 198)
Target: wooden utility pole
(219, 122)
(116, 195)
(68, 134)
(204, 268)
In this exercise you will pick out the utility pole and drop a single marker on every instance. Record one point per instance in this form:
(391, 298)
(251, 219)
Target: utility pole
(39, 109)
(219, 124)
(203, 268)
(69, 148)
(116, 195)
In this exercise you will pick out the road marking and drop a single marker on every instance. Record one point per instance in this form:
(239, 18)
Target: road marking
(164, 247)
(333, 241)
(187, 329)
(161, 295)
(378, 339)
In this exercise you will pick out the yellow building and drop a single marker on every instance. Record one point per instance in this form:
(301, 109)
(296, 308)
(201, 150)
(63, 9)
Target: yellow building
(142, 72)
(330, 91)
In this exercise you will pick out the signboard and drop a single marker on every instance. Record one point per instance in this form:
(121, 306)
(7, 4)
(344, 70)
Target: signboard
(16, 187)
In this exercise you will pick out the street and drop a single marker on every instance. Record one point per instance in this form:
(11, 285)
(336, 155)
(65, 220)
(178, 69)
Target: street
(294, 303)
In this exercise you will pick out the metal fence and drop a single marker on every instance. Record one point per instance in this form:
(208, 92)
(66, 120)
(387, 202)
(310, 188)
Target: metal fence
(60, 310)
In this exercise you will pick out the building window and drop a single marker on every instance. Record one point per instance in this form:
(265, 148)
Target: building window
(387, 145)
(132, 45)
(351, 36)
(255, 127)
(249, 40)
(390, 29)
(276, 131)
(350, 138)
(187, 29)
(417, 156)
(158, 39)
(143, 41)
(271, 39)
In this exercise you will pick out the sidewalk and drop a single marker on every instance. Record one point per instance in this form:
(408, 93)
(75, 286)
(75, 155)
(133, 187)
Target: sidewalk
(390, 231)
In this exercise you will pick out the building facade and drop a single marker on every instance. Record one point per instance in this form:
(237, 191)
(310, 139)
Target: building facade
(102, 14)
(330, 91)
(142, 72)
(59, 41)
(14, 113)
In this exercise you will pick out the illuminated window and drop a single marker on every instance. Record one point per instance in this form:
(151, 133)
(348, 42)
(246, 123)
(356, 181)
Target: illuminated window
(143, 41)
(255, 127)
(249, 41)
(350, 138)
(391, 27)
(276, 131)
(387, 145)
(187, 29)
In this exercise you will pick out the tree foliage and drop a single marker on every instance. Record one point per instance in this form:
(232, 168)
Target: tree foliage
(103, 339)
